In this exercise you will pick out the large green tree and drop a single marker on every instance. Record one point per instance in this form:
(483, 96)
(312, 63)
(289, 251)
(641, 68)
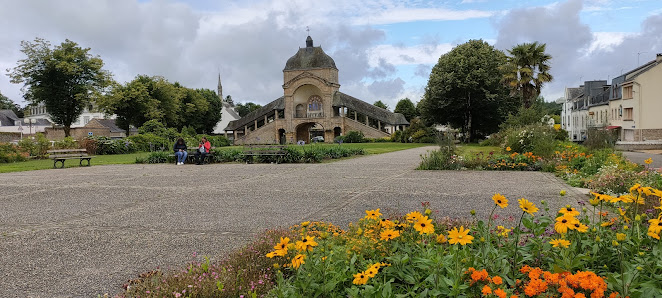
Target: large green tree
(526, 71)
(464, 90)
(407, 108)
(65, 78)
(380, 104)
(244, 108)
(209, 117)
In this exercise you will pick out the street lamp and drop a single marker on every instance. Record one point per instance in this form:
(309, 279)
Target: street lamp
(30, 122)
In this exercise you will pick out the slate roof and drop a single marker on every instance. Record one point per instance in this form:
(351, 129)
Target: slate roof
(343, 100)
(110, 123)
(8, 118)
(574, 92)
(278, 104)
(231, 110)
(310, 57)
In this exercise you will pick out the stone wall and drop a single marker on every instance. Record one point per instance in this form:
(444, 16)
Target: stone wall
(368, 131)
(267, 134)
(57, 134)
(651, 134)
(6, 137)
(633, 146)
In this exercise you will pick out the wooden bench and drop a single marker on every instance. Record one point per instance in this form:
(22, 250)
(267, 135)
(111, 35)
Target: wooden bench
(61, 155)
(264, 150)
(191, 155)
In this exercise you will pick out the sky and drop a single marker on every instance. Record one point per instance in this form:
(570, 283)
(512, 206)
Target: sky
(384, 49)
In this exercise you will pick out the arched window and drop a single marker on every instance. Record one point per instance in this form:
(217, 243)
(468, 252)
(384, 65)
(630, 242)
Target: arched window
(314, 103)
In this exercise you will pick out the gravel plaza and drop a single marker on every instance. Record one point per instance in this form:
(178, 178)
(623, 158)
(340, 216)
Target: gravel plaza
(79, 232)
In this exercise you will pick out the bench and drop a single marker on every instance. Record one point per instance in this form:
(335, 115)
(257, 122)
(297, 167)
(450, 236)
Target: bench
(264, 150)
(190, 158)
(61, 155)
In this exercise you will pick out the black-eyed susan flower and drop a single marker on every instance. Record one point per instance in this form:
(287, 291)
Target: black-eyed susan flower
(413, 216)
(580, 227)
(460, 236)
(387, 224)
(298, 260)
(527, 206)
(653, 235)
(306, 244)
(360, 278)
(500, 200)
(655, 225)
(424, 225)
(371, 272)
(567, 210)
(389, 234)
(648, 161)
(282, 245)
(563, 223)
(373, 214)
(560, 243)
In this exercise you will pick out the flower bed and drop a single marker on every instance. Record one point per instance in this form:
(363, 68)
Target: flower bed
(586, 252)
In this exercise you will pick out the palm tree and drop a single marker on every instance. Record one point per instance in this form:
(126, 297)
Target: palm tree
(526, 71)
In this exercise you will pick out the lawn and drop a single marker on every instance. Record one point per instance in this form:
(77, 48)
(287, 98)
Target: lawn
(43, 164)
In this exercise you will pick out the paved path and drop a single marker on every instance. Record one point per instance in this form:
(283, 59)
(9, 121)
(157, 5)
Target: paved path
(639, 157)
(83, 231)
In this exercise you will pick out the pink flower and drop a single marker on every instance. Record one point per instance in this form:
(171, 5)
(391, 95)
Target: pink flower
(177, 295)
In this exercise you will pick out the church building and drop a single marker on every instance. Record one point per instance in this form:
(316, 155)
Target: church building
(312, 107)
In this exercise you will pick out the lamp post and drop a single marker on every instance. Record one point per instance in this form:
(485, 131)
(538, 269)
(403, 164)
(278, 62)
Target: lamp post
(30, 122)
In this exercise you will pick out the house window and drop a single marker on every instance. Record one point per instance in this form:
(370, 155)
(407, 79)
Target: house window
(628, 114)
(86, 119)
(314, 103)
(627, 92)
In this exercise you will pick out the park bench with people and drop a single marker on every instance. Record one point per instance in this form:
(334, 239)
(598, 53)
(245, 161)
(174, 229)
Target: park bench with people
(190, 158)
(264, 150)
(60, 155)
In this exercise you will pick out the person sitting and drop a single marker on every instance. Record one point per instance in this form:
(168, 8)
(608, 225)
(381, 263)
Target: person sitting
(203, 149)
(180, 151)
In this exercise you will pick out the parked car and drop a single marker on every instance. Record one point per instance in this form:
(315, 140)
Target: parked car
(317, 139)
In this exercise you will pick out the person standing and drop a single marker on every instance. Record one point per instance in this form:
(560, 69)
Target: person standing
(203, 149)
(180, 151)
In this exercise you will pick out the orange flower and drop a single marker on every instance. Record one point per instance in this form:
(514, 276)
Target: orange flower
(535, 287)
(479, 275)
(486, 290)
(497, 280)
(500, 293)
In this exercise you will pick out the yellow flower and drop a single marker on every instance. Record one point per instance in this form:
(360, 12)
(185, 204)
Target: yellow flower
(648, 161)
(424, 225)
(387, 224)
(360, 278)
(277, 253)
(567, 210)
(305, 223)
(461, 236)
(636, 187)
(389, 234)
(373, 214)
(579, 227)
(441, 239)
(653, 235)
(297, 261)
(563, 223)
(623, 214)
(306, 243)
(562, 193)
(413, 216)
(655, 225)
(560, 243)
(527, 206)
(371, 272)
(614, 243)
(620, 236)
(508, 149)
(282, 245)
(502, 231)
(500, 200)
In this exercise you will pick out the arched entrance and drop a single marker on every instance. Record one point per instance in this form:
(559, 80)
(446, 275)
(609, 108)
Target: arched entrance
(337, 131)
(309, 130)
(281, 136)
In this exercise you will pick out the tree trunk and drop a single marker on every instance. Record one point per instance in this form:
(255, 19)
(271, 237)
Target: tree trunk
(67, 131)
(468, 119)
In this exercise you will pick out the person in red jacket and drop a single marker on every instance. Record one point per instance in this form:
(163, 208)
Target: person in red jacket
(203, 149)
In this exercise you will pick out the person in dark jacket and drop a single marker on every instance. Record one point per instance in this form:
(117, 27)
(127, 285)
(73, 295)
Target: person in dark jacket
(180, 151)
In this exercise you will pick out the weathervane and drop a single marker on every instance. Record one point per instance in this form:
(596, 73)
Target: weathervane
(308, 30)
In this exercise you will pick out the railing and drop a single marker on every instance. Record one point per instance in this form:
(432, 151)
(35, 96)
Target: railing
(311, 115)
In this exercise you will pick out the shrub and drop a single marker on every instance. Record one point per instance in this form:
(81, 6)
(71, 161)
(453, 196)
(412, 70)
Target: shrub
(37, 146)
(353, 136)
(154, 127)
(600, 139)
(159, 157)
(106, 146)
(225, 155)
(149, 142)
(536, 138)
(11, 153)
(442, 159)
(66, 143)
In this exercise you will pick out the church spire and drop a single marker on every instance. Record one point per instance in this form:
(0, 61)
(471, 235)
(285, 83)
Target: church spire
(219, 88)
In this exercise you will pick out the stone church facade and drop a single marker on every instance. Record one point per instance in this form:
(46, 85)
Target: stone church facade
(312, 107)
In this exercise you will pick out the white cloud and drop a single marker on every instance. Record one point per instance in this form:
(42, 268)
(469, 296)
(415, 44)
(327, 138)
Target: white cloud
(400, 55)
(404, 15)
(606, 41)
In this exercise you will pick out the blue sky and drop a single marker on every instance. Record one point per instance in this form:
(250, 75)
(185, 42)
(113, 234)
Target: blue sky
(384, 49)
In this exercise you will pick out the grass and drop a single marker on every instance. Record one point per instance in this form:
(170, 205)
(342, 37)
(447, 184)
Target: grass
(470, 150)
(44, 164)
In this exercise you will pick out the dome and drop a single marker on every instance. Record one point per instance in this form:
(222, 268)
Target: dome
(309, 57)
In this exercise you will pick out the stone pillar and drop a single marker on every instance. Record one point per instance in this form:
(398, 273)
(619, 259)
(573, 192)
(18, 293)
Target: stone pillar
(234, 141)
(245, 130)
(255, 122)
(367, 120)
(276, 115)
(379, 125)
(265, 120)
(356, 115)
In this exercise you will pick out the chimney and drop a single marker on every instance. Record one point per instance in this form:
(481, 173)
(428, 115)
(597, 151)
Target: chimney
(658, 59)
